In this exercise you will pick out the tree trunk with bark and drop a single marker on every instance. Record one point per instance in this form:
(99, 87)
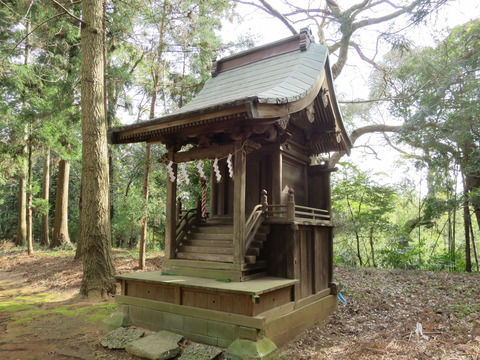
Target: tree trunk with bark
(22, 210)
(78, 251)
(98, 266)
(45, 230)
(21, 239)
(60, 226)
(29, 216)
(143, 235)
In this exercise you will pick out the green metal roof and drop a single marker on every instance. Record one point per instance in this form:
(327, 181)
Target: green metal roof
(260, 84)
(277, 80)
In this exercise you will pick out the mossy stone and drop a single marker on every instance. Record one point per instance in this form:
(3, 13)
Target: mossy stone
(114, 321)
(118, 339)
(200, 352)
(241, 349)
(157, 346)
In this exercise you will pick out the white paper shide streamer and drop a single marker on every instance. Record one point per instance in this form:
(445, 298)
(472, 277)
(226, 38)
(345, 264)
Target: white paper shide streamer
(183, 172)
(230, 165)
(200, 169)
(217, 170)
(171, 175)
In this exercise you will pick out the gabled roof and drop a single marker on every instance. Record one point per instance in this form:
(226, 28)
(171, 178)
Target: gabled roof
(259, 85)
(279, 79)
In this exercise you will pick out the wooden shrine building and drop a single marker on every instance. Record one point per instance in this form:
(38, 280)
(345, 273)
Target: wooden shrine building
(260, 265)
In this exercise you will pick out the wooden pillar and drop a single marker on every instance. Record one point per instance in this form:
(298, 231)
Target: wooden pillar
(239, 188)
(277, 185)
(171, 217)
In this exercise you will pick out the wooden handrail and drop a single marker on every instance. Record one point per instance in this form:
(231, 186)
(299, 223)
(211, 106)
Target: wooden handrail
(255, 220)
(188, 219)
(292, 213)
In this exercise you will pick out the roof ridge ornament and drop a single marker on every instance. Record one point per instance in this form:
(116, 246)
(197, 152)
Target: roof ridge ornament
(306, 38)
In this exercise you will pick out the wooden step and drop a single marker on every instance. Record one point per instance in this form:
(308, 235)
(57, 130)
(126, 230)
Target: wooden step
(253, 276)
(264, 229)
(205, 257)
(213, 229)
(259, 265)
(195, 242)
(257, 244)
(206, 249)
(209, 236)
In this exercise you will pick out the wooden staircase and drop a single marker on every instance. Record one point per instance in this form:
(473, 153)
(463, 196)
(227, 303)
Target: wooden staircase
(208, 242)
(214, 242)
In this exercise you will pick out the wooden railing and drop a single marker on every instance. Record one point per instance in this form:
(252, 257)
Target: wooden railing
(298, 214)
(186, 222)
(186, 219)
(255, 220)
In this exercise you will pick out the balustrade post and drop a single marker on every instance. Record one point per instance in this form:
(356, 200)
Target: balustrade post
(179, 209)
(290, 205)
(264, 200)
(199, 209)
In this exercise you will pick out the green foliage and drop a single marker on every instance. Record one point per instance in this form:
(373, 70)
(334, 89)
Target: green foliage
(362, 209)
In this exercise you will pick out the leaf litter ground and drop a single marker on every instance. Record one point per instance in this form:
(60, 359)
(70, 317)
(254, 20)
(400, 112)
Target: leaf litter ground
(42, 317)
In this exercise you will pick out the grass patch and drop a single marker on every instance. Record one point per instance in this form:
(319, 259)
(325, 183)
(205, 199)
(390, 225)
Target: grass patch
(13, 306)
(91, 313)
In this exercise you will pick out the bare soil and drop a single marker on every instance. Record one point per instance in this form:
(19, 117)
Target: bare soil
(390, 314)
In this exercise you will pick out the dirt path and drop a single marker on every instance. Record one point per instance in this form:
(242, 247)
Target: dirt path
(41, 317)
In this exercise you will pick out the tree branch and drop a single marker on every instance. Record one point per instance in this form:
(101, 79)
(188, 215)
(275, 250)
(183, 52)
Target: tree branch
(363, 56)
(387, 139)
(279, 16)
(28, 34)
(65, 10)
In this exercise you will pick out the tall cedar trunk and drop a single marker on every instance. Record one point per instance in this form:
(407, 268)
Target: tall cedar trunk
(45, 230)
(60, 226)
(22, 209)
(146, 174)
(30, 199)
(78, 251)
(22, 183)
(98, 267)
(143, 235)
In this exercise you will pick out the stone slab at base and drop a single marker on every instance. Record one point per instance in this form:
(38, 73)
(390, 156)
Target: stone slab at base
(262, 349)
(157, 346)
